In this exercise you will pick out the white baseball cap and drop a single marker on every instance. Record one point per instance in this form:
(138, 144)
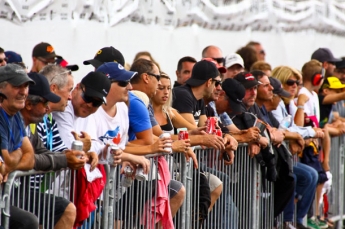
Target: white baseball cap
(233, 59)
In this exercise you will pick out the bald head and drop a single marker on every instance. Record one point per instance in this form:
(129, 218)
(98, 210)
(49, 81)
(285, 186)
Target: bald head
(213, 52)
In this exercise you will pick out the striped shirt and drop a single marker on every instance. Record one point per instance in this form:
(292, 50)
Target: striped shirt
(49, 134)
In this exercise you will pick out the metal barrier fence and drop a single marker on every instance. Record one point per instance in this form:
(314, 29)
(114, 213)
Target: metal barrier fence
(246, 200)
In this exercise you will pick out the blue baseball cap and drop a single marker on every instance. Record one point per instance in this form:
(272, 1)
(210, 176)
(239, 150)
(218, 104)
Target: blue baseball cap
(115, 71)
(13, 57)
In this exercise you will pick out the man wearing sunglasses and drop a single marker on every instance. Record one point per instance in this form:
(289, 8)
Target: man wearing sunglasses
(213, 52)
(3, 58)
(87, 97)
(42, 55)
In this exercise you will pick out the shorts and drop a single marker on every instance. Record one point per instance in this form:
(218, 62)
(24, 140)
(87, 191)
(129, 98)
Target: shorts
(213, 181)
(174, 187)
(37, 202)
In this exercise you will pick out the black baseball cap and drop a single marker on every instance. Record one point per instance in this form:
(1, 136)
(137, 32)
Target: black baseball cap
(278, 88)
(44, 50)
(62, 62)
(201, 72)
(235, 91)
(247, 79)
(14, 75)
(42, 88)
(96, 85)
(106, 54)
(324, 55)
(338, 65)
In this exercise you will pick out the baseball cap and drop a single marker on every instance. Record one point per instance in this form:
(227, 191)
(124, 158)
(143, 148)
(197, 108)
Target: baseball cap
(201, 72)
(15, 75)
(332, 82)
(42, 88)
(96, 85)
(340, 64)
(44, 50)
(115, 71)
(106, 54)
(247, 79)
(232, 59)
(278, 88)
(324, 54)
(235, 91)
(221, 69)
(13, 57)
(63, 63)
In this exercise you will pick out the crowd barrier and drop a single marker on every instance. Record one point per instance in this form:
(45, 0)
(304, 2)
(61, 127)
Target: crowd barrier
(246, 200)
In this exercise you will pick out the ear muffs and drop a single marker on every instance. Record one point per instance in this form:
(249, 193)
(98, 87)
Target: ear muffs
(316, 79)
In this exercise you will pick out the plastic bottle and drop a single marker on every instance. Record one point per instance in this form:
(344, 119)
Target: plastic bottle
(285, 123)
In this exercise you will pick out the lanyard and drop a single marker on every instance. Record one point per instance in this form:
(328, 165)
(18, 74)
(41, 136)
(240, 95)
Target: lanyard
(48, 123)
(11, 133)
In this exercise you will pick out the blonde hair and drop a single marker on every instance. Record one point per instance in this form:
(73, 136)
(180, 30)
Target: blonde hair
(310, 68)
(261, 65)
(283, 73)
(167, 106)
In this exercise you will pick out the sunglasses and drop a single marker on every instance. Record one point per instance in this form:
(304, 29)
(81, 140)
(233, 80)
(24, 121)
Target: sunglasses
(2, 60)
(121, 83)
(220, 60)
(292, 82)
(44, 61)
(158, 77)
(89, 99)
(217, 82)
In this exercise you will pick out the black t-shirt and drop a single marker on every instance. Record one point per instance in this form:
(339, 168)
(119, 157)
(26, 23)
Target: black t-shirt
(185, 102)
(176, 84)
(325, 111)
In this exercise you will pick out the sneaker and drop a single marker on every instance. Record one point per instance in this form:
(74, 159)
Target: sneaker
(322, 223)
(311, 223)
(288, 225)
(301, 226)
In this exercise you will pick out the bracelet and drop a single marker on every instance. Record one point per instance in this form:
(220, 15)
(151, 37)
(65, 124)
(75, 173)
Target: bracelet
(300, 107)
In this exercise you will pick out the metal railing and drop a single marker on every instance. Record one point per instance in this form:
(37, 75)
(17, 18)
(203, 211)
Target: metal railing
(246, 200)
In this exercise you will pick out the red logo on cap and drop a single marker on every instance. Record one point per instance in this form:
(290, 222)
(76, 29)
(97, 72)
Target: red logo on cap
(249, 77)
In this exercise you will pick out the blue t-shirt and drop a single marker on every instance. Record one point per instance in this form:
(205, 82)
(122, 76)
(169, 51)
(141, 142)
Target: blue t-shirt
(139, 118)
(12, 131)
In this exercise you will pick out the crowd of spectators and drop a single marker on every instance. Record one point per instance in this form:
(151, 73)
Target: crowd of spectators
(43, 111)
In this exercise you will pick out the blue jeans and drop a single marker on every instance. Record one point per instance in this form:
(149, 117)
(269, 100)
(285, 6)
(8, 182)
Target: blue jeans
(306, 179)
(230, 218)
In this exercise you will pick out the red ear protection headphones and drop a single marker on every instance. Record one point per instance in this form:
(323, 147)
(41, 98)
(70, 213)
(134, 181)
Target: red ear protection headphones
(318, 77)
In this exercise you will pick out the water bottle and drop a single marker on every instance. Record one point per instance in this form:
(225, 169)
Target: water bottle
(285, 123)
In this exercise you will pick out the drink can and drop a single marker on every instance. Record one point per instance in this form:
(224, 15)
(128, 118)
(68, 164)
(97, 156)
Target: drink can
(218, 132)
(211, 124)
(183, 135)
(77, 145)
(167, 136)
(139, 174)
(111, 151)
(127, 179)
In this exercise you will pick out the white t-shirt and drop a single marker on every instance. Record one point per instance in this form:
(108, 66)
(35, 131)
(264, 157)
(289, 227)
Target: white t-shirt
(103, 128)
(311, 107)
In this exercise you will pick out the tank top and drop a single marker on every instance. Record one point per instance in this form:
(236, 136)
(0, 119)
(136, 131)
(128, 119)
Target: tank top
(168, 128)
